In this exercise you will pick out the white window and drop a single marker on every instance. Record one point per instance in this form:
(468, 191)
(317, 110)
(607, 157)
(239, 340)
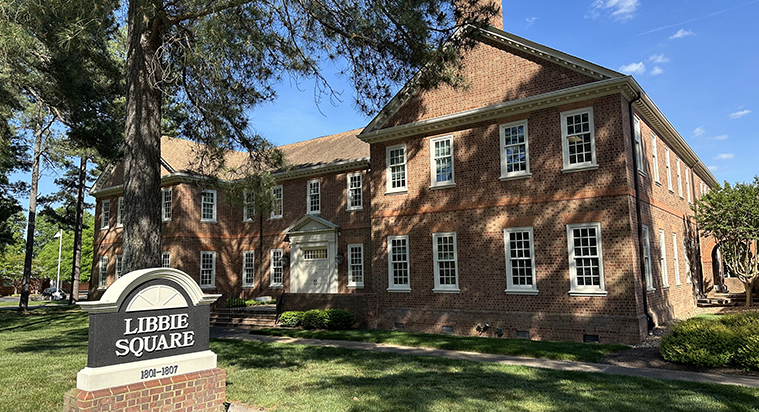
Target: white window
(356, 266)
(578, 139)
(207, 269)
(166, 259)
(687, 184)
(396, 169)
(276, 268)
(398, 263)
(166, 204)
(119, 266)
(520, 261)
(655, 158)
(663, 258)
(103, 272)
(441, 162)
(515, 158)
(647, 259)
(314, 197)
(446, 262)
(679, 180)
(669, 169)
(278, 206)
(248, 268)
(248, 206)
(638, 145)
(208, 206)
(105, 214)
(355, 194)
(586, 266)
(675, 258)
(120, 213)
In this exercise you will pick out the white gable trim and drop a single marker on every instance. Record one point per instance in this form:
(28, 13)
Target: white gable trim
(325, 225)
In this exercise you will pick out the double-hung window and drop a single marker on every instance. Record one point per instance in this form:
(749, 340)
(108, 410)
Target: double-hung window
(398, 267)
(396, 169)
(515, 158)
(679, 179)
(119, 265)
(638, 145)
(647, 259)
(314, 197)
(655, 158)
(248, 206)
(356, 266)
(520, 261)
(355, 194)
(105, 214)
(207, 269)
(687, 184)
(166, 204)
(165, 259)
(663, 258)
(675, 258)
(446, 262)
(208, 206)
(276, 268)
(578, 139)
(669, 169)
(103, 272)
(248, 268)
(278, 206)
(120, 213)
(441, 162)
(586, 266)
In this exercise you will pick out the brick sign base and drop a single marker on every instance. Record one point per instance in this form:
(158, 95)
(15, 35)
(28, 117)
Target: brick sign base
(202, 391)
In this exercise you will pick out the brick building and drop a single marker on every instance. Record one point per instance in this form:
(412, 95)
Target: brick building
(514, 202)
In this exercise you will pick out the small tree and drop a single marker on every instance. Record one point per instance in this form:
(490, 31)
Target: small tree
(730, 214)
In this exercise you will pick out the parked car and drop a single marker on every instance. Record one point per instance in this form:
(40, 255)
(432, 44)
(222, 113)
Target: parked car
(53, 294)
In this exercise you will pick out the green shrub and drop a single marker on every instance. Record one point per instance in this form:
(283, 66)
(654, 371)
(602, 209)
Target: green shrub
(747, 355)
(338, 319)
(313, 319)
(235, 303)
(291, 319)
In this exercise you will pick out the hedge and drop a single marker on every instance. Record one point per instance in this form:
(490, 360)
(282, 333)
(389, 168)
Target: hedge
(332, 319)
(291, 319)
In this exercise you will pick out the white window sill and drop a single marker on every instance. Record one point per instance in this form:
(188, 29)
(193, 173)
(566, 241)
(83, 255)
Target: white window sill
(572, 169)
(396, 192)
(355, 286)
(105, 228)
(678, 284)
(247, 220)
(401, 290)
(443, 186)
(248, 286)
(650, 290)
(672, 192)
(119, 226)
(438, 290)
(356, 209)
(208, 221)
(658, 183)
(102, 287)
(208, 287)
(515, 177)
(665, 287)
(165, 220)
(276, 286)
(520, 292)
(314, 213)
(275, 217)
(587, 293)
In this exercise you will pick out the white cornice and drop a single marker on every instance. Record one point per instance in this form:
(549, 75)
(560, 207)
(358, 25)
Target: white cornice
(345, 165)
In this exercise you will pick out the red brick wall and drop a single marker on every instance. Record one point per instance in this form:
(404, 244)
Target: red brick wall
(203, 391)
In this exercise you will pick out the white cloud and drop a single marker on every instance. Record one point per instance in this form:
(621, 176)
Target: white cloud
(713, 168)
(739, 114)
(530, 21)
(656, 71)
(681, 33)
(658, 58)
(620, 9)
(633, 68)
(724, 156)
(699, 131)
(721, 137)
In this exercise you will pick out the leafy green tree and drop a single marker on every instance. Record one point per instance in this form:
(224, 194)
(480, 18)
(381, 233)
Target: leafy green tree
(730, 214)
(48, 255)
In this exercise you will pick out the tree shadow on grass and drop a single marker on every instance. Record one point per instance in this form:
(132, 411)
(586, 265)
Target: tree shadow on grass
(52, 332)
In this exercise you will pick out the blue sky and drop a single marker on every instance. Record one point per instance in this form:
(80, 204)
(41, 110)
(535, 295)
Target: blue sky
(697, 59)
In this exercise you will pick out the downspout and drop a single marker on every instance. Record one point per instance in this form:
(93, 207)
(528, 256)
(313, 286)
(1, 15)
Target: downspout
(646, 310)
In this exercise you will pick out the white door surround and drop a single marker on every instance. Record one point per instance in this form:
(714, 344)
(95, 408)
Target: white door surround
(313, 246)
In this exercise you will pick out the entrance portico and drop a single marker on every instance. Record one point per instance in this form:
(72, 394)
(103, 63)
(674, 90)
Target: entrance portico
(313, 244)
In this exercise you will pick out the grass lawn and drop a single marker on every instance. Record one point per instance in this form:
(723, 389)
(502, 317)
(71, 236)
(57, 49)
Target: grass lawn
(582, 352)
(36, 302)
(41, 353)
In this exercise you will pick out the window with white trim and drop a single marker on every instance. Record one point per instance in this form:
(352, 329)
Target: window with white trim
(520, 261)
(166, 204)
(398, 263)
(119, 265)
(207, 269)
(669, 169)
(687, 252)
(166, 259)
(647, 259)
(208, 206)
(638, 144)
(278, 207)
(103, 272)
(395, 173)
(675, 258)
(248, 268)
(578, 139)
(276, 268)
(314, 197)
(105, 214)
(356, 266)
(120, 213)
(441, 162)
(663, 258)
(515, 158)
(679, 179)
(446, 262)
(355, 193)
(655, 158)
(687, 184)
(586, 268)
(248, 206)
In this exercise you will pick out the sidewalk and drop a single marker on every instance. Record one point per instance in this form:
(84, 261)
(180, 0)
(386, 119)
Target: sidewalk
(240, 334)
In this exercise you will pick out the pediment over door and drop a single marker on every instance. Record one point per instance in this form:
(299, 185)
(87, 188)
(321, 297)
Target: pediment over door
(311, 224)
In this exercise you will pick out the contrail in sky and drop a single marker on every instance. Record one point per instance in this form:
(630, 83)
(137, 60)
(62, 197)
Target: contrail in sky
(697, 18)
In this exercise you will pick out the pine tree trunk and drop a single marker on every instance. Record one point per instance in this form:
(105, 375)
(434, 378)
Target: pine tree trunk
(142, 160)
(78, 227)
(23, 302)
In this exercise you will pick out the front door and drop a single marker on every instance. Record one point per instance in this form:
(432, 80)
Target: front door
(312, 275)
